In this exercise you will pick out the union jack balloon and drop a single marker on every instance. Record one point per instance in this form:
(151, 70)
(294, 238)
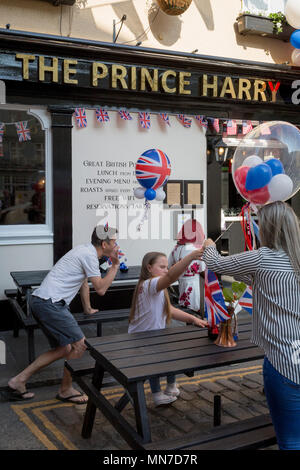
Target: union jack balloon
(153, 169)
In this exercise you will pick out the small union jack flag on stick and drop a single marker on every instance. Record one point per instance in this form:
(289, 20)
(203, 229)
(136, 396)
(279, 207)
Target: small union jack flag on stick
(245, 300)
(186, 122)
(23, 131)
(80, 116)
(2, 127)
(247, 127)
(102, 115)
(145, 120)
(165, 118)
(202, 121)
(215, 307)
(125, 115)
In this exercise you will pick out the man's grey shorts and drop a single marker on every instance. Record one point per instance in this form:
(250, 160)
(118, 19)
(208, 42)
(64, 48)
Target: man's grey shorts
(56, 321)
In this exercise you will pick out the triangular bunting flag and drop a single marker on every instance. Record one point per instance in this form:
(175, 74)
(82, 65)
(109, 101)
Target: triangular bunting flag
(247, 127)
(215, 124)
(2, 127)
(125, 115)
(231, 127)
(186, 122)
(80, 116)
(202, 121)
(145, 120)
(102, 115)
(165, 118)
(23, 131)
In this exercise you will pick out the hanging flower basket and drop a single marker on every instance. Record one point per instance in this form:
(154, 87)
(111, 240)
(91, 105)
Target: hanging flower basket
(174, 7)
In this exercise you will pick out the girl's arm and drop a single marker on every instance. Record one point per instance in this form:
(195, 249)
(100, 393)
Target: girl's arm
(241, 266)
(178, 269)
(187, 318)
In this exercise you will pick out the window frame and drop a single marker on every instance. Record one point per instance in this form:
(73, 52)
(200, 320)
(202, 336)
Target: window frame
(34, 233)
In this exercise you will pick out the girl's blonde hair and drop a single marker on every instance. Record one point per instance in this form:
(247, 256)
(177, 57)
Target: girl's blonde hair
(149, 258)
(279, 229)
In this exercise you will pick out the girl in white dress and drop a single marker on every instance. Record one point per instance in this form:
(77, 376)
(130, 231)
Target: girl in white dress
(190, 237)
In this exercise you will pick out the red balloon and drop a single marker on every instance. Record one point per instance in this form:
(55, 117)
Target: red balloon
(257, 196)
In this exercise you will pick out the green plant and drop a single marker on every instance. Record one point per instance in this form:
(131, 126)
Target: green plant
(233, 293)
(279, 20)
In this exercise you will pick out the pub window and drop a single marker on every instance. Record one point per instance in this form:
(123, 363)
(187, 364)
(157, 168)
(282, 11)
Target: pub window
(25, 173)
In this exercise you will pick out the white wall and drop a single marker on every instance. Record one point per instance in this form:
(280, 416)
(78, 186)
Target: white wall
(22, 258)
(118, 141)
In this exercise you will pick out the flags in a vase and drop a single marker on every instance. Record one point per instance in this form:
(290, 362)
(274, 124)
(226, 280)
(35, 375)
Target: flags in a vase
(247, 127)
(202, 121)
(80, 116)
(246, 300)
(145, 120)
(231, 127)
(2, 127)
(186, 122)
(102, 115)
(23, 131)
(125, 115)
(215, 307)
(165, 118)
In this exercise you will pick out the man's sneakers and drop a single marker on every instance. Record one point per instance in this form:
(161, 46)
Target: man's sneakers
(172, 390)
(160, 399)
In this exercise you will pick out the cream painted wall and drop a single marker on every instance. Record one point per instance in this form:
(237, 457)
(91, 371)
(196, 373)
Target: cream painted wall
(124, 141)
(208, 26)
(22, 258)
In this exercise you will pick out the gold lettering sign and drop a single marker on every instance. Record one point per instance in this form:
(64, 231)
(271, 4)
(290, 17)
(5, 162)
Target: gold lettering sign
(227, 88)
(98, 75)
(259, 89)
(164, 81)
(183, 82)
(133, 78)
(244, 88)
(152, 81)
(68, 71)
(48, 68)
(25, 58)
(118, 73)
(213, 86)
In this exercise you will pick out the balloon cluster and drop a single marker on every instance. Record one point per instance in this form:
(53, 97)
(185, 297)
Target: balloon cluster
(152, 171)
(265, 165)
(292, 14)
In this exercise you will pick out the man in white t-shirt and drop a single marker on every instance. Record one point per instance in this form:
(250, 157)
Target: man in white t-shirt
(50, 307)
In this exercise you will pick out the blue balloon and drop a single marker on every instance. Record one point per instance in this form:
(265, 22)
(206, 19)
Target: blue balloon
(258, 176)
(295, 39)
(150, 194)
(276, 166)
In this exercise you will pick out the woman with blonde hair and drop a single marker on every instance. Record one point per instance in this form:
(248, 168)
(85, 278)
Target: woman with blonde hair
(151, 309)
(273, 271)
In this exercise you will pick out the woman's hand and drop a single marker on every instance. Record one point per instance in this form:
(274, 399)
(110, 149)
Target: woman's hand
(199, 322)
(208, 242)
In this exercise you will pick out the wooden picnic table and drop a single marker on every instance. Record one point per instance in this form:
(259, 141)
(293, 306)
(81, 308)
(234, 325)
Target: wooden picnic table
(133, 358)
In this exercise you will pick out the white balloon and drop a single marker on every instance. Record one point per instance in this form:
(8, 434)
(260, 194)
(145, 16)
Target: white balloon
(280, 188)
(160, 195)
(252, 160)
(139, 192)
(292, 13)
(296, 57)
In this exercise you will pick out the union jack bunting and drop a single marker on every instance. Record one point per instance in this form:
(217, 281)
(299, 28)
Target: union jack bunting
(80, 116)
(186, 122)
(23, 131)
(246, 300)
(154, 167)
(165, 118)
(202, 121)
(215, 124)
(102, 115)
(247, 127)
(145, 120)
(215, 307)
(231, 127)
(125, 115)
(2, 127)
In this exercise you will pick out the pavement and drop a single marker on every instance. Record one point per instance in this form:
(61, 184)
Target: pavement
(45, 423)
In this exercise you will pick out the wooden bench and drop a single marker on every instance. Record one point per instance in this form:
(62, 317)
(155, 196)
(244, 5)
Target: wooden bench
(253, 433)
(29, 323)
(85, 366)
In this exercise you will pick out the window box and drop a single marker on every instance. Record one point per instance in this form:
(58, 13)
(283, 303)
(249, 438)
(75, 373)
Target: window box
(262, 26)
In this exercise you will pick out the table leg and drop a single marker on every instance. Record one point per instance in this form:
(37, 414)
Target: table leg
(141, 414)
(90, 412)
